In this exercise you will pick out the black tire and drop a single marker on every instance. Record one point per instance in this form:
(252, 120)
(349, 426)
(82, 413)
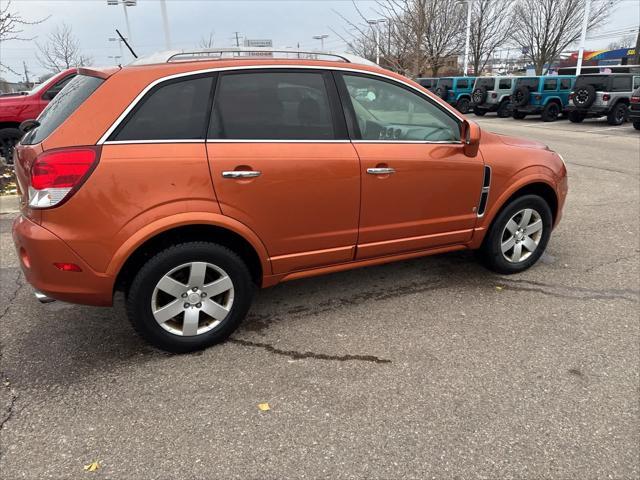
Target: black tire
(636, 125)
(504, 109)
(521, 96)
(139, 295)
(442, 92)
(491, 254)
(618, 114)
(551, 112)
(519, 115)
(576, 117)
(583, 97)
(479, 111)
(463, 105)
(479, 95)
(9, 137)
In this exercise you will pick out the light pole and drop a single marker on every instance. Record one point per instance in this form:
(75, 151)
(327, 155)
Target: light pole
(374, 24)
(165, 24)
(583, 36)
(321, 38)
(125, 4)
(468, 37)
(115, 58)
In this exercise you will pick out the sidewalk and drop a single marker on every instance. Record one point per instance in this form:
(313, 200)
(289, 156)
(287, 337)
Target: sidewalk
(9, 204)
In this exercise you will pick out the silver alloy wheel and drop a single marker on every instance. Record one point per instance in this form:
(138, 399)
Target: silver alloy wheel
(521, 235)
(192, 299)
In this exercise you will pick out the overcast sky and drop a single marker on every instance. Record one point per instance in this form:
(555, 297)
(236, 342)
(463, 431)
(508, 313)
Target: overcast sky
(285, 22)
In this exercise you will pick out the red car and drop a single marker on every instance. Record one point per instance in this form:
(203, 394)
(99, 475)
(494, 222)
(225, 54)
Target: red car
(16, 108)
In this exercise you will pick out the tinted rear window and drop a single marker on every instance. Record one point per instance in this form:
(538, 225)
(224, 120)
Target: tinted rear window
(621, 84)
(272, 106)
(550, 84)
(426, 82)
(445, 82)
(599, 82)
(485, 82)
(505, 83)
(462, 83)
(176, 110)
(62, 106)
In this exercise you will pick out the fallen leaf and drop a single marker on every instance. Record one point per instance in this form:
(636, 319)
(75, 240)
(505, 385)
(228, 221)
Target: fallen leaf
(264, 407)
(499, 288)
(92, 467)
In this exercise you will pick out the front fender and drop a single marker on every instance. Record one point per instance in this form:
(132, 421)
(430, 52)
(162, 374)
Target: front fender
(182, 219)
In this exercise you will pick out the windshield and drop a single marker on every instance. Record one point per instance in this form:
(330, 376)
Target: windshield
(62, 106)
(532, 83)
(37, 88)
(485, 82)
(599, 82)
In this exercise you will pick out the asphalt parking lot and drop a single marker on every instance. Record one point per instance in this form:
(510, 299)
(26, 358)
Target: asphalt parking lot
(430, 368)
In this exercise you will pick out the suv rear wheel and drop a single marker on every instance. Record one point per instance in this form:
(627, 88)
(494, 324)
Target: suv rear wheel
(618, 114)
(190, 296)
(518, 236)
(479, 111)
(551, 112)
(519, 115)
(636, 125)
(504, 110)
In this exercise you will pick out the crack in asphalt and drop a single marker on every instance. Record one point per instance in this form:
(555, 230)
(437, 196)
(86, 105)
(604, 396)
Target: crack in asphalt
(302, 355)
(612, 262)
(13, 396)
(578, 293)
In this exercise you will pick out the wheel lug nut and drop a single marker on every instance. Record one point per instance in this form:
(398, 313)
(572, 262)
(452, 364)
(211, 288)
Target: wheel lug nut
(203, 294)
(198, 304)
(184, 295)
(195, 289)
(187, 305)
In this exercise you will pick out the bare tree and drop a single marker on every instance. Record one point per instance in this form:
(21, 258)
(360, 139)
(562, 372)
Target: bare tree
(625, 42)
(61, 51)
(417, 35)
(12, 28)
(207, 42)
(490, 29)
(545, 28)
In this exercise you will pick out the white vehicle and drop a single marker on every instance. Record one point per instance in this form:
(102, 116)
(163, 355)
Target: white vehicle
(492, 94)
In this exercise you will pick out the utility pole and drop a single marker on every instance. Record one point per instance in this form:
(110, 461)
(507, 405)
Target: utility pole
(466, 43)
(583, 36)
(375, 25)
(321, 38)
(26, 73)
(165, 24)
(636, 58)
(237, 39)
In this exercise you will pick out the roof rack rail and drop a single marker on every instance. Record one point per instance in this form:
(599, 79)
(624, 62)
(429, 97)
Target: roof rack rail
(241, 53)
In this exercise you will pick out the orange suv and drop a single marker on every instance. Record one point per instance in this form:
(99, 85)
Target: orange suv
(185, 180)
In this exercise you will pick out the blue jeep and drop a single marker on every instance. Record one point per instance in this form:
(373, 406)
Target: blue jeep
(547, 96)
(456, 91)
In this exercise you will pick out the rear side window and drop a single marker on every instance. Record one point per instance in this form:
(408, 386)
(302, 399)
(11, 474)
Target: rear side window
(636, 82)
(599, 82)
(446, 82)
(62, 106)
(532, 83)
(621, 84)
(505, 84)
(426, 82)
(462, 83)
(565, 84)
(484, 82)
(273, 106)
(175, 110)
(550, 83)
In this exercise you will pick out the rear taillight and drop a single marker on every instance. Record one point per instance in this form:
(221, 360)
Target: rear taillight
(571, 96)
(494, 95)
(635, 99)
(606, 97)
(57, 174)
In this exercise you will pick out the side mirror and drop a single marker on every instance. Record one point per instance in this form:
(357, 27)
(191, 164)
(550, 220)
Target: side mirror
(471, 133)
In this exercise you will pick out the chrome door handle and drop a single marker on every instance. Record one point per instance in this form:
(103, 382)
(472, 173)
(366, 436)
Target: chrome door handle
(241, 174)
(381, 171)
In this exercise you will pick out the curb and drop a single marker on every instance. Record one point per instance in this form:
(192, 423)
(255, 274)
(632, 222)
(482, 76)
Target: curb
(9, 204)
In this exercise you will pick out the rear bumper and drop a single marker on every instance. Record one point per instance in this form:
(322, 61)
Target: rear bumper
(38, 249)
(634, 115)
(592, 111)
(487, 107)
(529, 109)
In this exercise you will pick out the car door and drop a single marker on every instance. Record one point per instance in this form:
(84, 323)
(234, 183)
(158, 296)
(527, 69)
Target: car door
(283, 165)
(419, 190)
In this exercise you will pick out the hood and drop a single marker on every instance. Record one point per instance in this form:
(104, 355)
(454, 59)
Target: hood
(521, 142)
(17, 99)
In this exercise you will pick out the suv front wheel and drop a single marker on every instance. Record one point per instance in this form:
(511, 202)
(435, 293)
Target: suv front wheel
(190, 296)
(518, 236)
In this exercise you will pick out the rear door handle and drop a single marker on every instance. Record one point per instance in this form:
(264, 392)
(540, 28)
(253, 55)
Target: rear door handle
(381, 171)
(241, 174)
